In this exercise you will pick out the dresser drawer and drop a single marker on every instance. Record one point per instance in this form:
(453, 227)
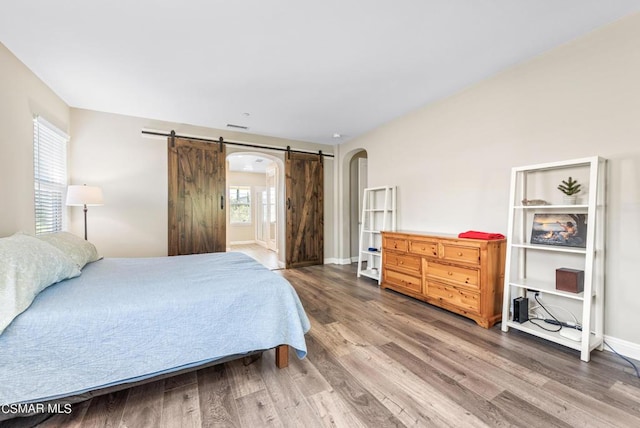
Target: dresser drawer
(391, 243)
(459, 253)
(399, 279)
(465, 300)
(463, 275)
(424, 248)
(404, 262)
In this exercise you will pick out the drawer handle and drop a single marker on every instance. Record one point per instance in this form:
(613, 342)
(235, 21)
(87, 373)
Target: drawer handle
(395, 245)
(449, 273)
(460, 253)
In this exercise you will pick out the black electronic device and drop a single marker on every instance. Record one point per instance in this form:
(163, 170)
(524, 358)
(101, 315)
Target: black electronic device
(521, 309)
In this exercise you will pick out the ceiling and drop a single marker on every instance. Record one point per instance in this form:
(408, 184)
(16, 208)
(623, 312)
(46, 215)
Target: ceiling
(284, 68)
(248, 163)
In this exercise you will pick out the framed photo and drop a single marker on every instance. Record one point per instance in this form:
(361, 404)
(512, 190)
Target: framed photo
(569, 230)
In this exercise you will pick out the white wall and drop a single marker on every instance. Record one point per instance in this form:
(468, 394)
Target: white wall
(109, 150)
(452, 160)
(22, 95)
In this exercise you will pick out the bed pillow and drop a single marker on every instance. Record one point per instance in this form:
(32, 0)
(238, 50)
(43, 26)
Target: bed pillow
(28, 266)
(76, 248)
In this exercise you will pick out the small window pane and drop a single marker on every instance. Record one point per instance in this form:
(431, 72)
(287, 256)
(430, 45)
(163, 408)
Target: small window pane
(240, 204)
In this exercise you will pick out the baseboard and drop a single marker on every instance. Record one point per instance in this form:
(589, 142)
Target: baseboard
(242, 242)
(337, 261)
(623, 347)
(354, 259)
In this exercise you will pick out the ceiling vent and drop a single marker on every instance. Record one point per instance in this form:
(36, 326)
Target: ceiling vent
(231, 125)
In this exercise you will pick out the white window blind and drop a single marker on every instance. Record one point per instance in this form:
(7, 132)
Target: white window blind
(50, 175)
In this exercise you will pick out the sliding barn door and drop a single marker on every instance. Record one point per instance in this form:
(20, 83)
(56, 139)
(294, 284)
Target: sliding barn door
(304, 199)
(197, 217)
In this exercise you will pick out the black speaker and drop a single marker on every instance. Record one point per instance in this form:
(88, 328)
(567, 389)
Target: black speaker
(521, 309)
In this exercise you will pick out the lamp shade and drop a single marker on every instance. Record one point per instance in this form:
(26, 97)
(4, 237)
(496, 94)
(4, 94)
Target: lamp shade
(84, 195)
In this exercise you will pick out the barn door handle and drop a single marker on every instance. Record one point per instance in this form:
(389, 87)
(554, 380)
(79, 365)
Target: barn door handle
(288, 203)
(221, 202)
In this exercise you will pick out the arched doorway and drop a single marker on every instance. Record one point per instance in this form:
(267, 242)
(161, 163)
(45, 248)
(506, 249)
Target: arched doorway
(255, 219)
(356, 162)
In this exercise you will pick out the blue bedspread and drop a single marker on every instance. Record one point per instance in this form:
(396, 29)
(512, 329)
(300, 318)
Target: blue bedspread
(125, 320)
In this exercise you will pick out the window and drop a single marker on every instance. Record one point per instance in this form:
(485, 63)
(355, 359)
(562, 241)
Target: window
(50, 175)
(240, 205)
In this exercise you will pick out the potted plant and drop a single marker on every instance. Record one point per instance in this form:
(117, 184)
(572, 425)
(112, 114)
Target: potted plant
(570, 188)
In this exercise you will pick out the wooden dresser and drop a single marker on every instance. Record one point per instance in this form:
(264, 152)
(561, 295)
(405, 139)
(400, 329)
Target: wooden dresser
(465, 276)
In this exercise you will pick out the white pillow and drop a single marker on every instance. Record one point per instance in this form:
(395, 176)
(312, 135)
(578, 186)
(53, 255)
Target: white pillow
(28, 266)
(76, 248)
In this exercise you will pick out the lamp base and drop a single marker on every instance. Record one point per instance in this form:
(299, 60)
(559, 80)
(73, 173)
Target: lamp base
(85, 222)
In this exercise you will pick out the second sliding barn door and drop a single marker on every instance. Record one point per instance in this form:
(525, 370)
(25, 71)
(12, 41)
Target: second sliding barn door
(197, 216)
(305, 198)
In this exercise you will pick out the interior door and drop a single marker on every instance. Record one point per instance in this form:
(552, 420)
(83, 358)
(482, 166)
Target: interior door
(356, 217)
(304, 202)
(197, 216)
(272, 207)
(262, 230)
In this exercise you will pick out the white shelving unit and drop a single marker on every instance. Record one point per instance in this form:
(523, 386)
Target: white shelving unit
(530, 268)
(378, 214)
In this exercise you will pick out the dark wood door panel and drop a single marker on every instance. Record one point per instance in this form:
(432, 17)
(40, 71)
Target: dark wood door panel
(197, 216)
(305, 199)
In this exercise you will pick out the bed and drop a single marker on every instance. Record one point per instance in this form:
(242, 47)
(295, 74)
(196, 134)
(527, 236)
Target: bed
(122, 321)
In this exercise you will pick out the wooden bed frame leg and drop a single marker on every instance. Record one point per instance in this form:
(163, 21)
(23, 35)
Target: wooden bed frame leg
(282, 356)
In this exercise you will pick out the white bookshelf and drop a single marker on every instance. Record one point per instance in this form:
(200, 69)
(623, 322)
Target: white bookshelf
(530, 267)
(378, 214)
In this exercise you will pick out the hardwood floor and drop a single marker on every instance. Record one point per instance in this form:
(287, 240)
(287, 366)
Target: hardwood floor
(267, 257)
(377, 359)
